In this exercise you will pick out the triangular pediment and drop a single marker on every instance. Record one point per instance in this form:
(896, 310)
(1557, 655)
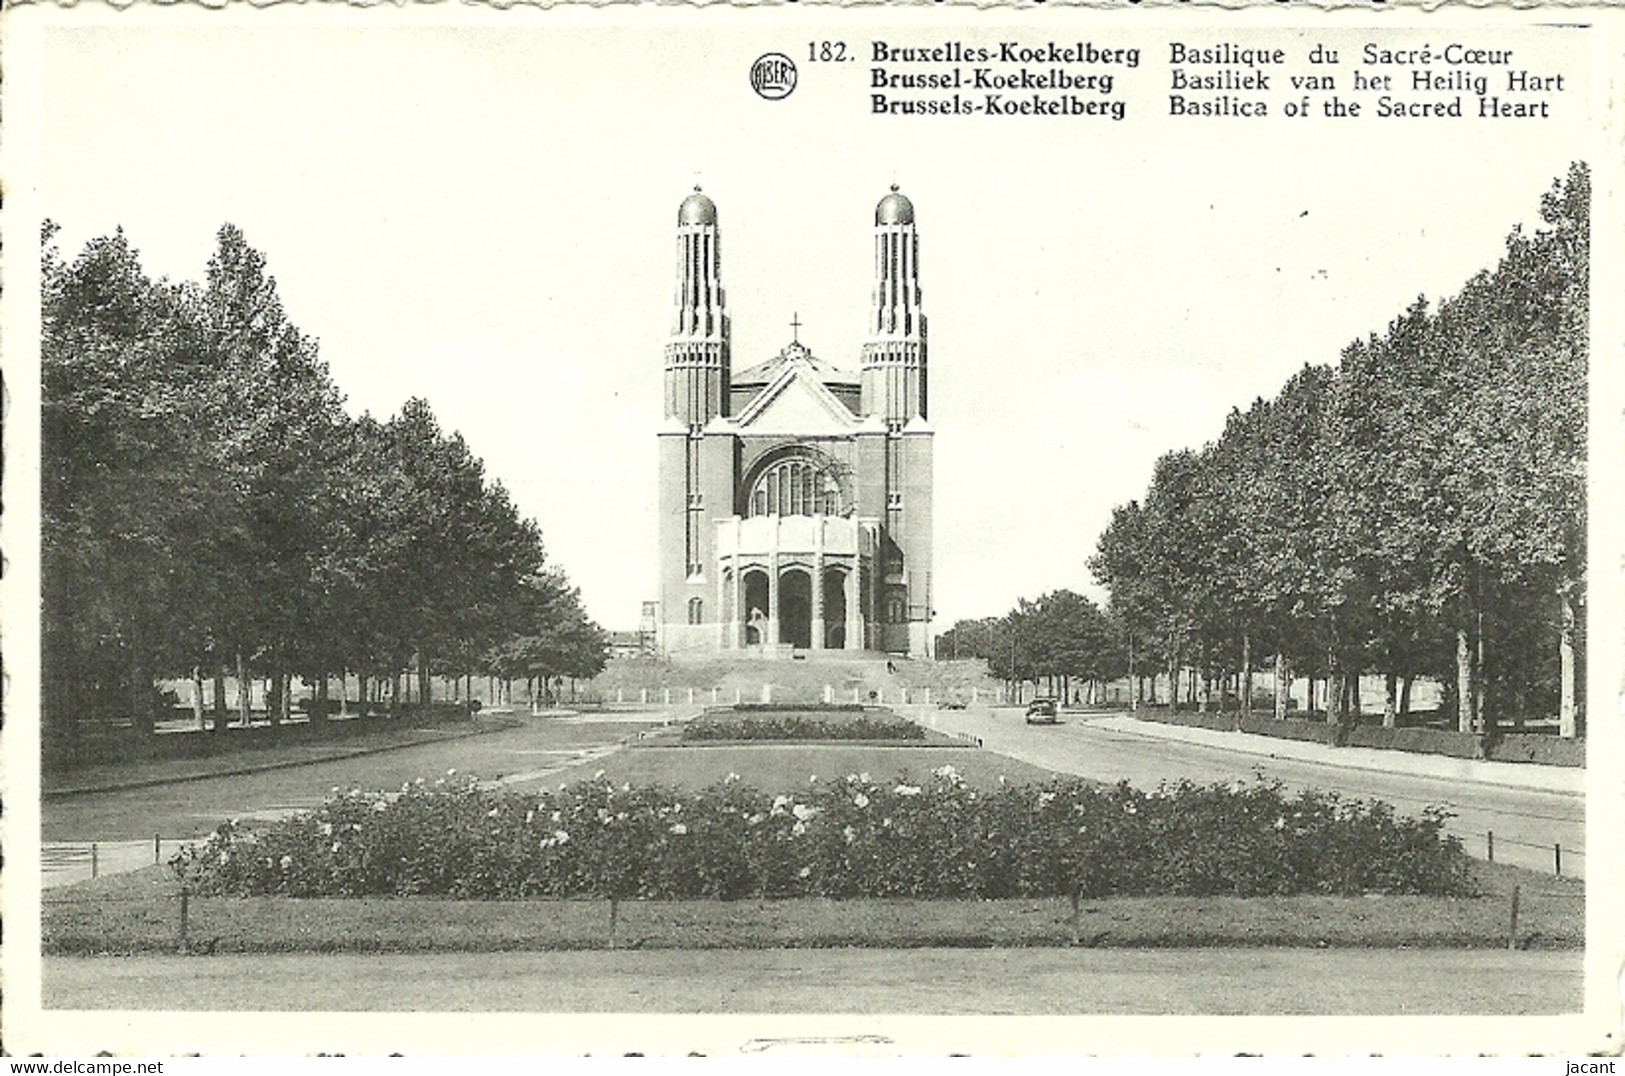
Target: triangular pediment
(796, 403)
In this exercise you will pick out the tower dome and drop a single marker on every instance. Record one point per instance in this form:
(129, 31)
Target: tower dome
(894, 209)
(697, 209)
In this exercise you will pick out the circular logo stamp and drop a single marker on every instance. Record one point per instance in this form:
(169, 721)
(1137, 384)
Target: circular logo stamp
(773, 76)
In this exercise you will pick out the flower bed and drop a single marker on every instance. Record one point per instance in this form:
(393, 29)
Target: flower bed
(855, 838)
(801, 724)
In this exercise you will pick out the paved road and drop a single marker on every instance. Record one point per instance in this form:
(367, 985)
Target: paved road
(1527, 823)
(538, 749)
(947, 981)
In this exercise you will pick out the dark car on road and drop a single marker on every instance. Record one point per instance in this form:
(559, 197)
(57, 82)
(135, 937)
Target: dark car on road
(1042, 712)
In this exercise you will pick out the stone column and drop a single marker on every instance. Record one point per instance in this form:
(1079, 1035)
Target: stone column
(818, 585)
(771, 629)
(854, 611)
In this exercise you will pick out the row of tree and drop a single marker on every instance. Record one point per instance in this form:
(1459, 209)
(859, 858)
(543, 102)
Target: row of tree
(1060, 638)
(1416, 510)
(210, 510)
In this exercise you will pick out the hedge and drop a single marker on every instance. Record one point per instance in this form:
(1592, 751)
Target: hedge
(1505, 747)
(860, 837)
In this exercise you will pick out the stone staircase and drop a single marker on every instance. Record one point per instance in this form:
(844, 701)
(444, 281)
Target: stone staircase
(806, 678)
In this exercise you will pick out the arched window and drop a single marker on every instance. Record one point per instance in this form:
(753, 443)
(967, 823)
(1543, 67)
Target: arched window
(696, 611)
(797, 485)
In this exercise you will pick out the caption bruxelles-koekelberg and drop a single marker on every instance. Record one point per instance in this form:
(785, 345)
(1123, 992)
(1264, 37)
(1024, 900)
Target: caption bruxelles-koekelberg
(1005, 52)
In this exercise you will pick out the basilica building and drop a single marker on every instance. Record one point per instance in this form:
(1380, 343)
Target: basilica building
(795, 496)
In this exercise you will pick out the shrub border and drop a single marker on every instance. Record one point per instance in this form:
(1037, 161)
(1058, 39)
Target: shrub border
(1511, 747)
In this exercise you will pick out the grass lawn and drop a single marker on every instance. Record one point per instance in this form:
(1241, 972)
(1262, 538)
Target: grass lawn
(140, 912)
(782, 767)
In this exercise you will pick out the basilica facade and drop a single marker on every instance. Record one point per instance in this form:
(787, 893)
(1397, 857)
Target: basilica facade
(795, 496)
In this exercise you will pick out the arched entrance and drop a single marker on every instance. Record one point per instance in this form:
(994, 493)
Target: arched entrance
(754, 613)
(795, 608)
(834, 609)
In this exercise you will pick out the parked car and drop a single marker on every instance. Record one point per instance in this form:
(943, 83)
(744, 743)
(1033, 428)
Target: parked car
(1042, 712)
(951, 704)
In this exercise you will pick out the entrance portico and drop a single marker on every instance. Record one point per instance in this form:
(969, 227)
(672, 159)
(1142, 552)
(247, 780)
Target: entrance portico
(792, 582)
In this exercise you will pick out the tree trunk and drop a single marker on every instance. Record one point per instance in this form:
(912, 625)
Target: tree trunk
(1134, 684)
(318, 708)
(197, 696)
(1464, 681)
(1205, 699)
(286, 711)
(1390, 700)
(219, 699)
(1405, 696)
(1334, 690)
(1246, 675)
(1352, 708)
(1567, 711)
(424, 692)
(1480, 682)
(142, 710)
(1283, 686)
(344, 692)
(244, 690)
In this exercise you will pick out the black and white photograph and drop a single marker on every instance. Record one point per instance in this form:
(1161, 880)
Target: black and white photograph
(790, 530)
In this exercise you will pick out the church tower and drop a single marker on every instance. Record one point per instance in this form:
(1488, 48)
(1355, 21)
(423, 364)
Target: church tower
(697, 366)
(696, 471)
(895, 449)
(894, 352)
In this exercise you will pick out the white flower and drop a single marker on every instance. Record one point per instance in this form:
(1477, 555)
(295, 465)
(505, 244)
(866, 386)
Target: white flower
(335, 791)
(907, 790)
(731, 778)
(804, 872)
(557, 817)
(380, 807)
(860, 800)
(561, 837)
(1045, 799)
(850, 834)
(947, 773)
(451, 772)
(1129, 808)
(327, 829)
(335, 847)
(1002, 781)
(779, 804)
(799, 828)
(864, 776)
(812, 779)
(804, 813)
(756, 819)
(356, 826)
(492, 813)
(1280, 823)
(225, 857)
(597, 776)
(679, 829)
(287, 861)
(530, 816)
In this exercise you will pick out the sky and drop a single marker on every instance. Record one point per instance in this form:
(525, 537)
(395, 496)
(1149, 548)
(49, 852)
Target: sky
(485, 218)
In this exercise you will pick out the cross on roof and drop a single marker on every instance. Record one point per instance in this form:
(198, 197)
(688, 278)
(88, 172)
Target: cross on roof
(795, 328)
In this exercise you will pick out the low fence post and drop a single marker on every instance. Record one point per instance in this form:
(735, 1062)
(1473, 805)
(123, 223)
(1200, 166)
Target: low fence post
(1512, 928)
(93, 863)
(1489, 846)
(1557, 859)
(157, 854)
(184, 897)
